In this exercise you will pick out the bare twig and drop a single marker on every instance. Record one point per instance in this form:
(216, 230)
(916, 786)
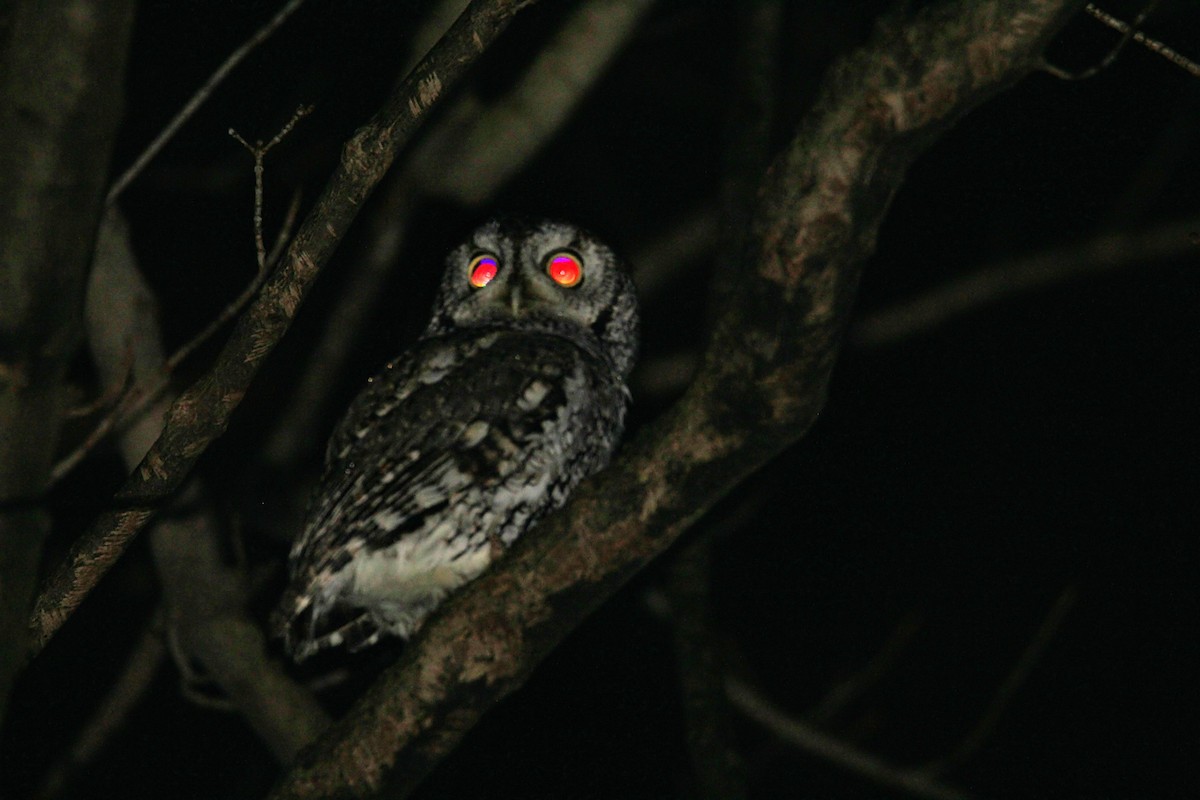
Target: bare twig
(202, 94)
(206, 622)
(1130, 31)
(259, 151)
(111, 395)
(812, 740)
(843, 693)
(133, 402)
(761, 385)
(202, 412)
(993, 283)
(125, 693)
(1107, 61)
(138, 397)
(1008, 689)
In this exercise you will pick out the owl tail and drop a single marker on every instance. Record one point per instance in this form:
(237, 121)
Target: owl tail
(307, 630)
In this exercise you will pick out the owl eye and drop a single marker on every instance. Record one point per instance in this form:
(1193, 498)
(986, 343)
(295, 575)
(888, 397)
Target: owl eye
(564, 269)
(483, 268)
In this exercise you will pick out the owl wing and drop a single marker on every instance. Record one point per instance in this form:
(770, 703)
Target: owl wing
(458, 413)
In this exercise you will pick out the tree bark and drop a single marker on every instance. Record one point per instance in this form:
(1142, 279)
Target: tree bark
(762, 383)
(202, 412)
(61, 74)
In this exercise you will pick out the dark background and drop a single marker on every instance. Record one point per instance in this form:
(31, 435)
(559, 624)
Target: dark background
(959, 481)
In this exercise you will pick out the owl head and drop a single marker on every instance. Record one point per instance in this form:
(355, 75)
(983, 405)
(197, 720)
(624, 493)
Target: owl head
(541, 276)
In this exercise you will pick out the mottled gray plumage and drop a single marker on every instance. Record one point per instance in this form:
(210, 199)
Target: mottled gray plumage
(515, 392)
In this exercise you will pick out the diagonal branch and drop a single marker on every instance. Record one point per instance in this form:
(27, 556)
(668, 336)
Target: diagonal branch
(198, 99)
(761, 385)
(998, 281)
(202, 412)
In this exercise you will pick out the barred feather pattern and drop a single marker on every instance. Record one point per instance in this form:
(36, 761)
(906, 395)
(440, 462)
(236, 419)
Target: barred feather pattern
(515, 394)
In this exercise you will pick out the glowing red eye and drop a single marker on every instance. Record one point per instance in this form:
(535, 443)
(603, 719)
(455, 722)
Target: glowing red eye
(483, 269)
(565, 269)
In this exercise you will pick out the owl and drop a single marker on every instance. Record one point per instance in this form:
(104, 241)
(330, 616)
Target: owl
(515, 392)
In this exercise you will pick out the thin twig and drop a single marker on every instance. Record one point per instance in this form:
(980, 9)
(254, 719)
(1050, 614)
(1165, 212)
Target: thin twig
(205, 598)
(1153, 45)
(1008, 689)
(991, 284)
(137, 398)
(202, 94)
(1126, 35)
(259, 151)
(841, 694)
(202, 412)
(134, 402)
(130, 686)
(112, 395)
(811, 740)
(472, 149)
(1129, 32)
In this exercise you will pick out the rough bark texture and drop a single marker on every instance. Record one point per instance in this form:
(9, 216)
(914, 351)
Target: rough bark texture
(60, 101)
(762, 383)
(202, 412)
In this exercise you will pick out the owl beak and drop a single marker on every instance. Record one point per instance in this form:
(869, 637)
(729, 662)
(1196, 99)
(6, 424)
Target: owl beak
(514, 298)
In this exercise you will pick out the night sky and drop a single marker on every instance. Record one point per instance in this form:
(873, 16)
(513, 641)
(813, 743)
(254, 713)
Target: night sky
(1036, 452)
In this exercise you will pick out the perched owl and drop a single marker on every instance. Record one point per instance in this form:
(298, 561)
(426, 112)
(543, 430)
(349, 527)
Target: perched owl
(515, 392)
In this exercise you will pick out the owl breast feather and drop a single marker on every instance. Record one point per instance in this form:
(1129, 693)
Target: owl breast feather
(446, 458)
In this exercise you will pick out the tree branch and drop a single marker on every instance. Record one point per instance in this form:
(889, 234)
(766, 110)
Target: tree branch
(994, 283)
(198, 99)
(761, 385)
(469, 133)
(202, 412)
(811, 739)
(61, 70)
(717, 767)
(205, 597)
(122, 697)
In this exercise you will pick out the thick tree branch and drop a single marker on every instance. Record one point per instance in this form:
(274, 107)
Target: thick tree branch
(202, 412)
(762, 383)
(717, 766)
(61, 69)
